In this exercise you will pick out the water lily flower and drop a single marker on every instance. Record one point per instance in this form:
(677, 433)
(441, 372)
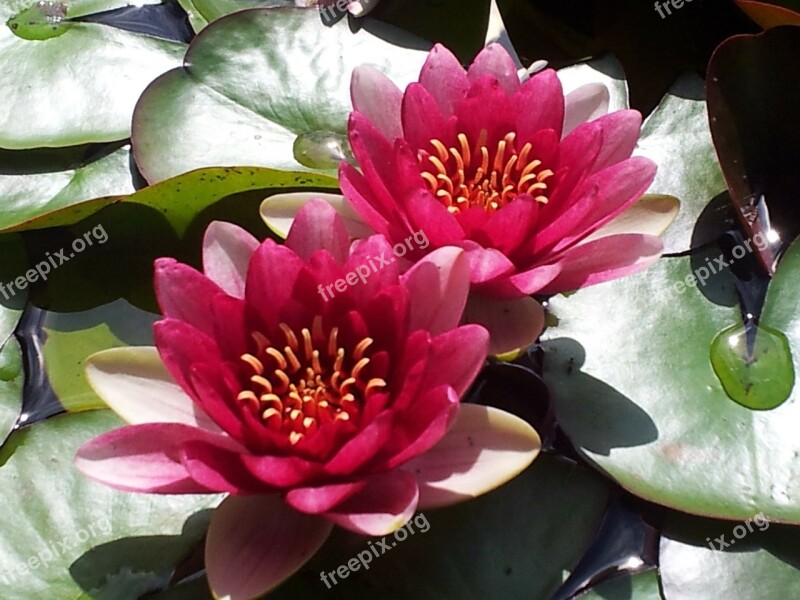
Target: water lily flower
(307, 411)
(533, 185)
(514, 173)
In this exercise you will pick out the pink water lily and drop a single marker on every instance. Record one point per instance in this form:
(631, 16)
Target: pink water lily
(511, 172)
(307, 411)
(533, 185)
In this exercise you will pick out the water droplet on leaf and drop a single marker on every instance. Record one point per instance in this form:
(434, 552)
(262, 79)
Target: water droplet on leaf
(321, 149)
(754, 365)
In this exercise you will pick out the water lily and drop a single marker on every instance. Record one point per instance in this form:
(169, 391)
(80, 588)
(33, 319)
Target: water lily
(307, 411)
(517, 175)
(533, 185)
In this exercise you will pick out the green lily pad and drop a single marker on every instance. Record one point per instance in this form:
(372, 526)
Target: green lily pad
(202, 12)
(37, 182)
(649, 410)
(638, 586)
(515, 542)
(96, 542)
(51, 88)
(255, 80)
(179, 199)
(753, 561)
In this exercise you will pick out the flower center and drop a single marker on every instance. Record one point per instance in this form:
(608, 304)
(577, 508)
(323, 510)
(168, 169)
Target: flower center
(308, 381)
(464, 177)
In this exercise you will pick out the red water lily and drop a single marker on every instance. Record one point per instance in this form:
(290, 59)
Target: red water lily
(520, 177)
(307, 410)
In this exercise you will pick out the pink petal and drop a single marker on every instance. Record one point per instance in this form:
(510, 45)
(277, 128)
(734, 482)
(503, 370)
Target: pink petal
(256, 542)
(456, 358)
(423, 120)
(485, 448)
(428, 419)
(486, 264)
(318, 226)
(360, 196)
(320, 499)
(271, 279)
(604, 259)
(539, 105)
(136, 385)
(621, 131)
(241, 472)
(520, 284)
(376, 97)
(374, 259)
(600, 198)
(185, 294)
(495, 60)
(584, 104)
(444, 77)
(362, 447)
(144, 458)
(427, 214)
(385, 504)
(512, 324)
(511, 226)
(227, 249)
(181, 346)
(438, 286)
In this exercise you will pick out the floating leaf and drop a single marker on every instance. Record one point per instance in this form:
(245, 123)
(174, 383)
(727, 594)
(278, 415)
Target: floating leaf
(759, 562)
(67, 537)
(649, 409)
(179, 199)
(51, 89)
(253, 82)
(36, 182)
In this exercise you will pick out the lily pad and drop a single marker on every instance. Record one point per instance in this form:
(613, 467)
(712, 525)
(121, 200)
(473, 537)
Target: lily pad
(649, 409)
(253, 82)
(51, 88)
(179, 199)
(36, 182)
(202, 12)
(748, 561)
(68, 537)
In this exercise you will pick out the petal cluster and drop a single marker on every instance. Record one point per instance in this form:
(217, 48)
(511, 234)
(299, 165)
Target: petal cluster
(521, 177)
(310, 410)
